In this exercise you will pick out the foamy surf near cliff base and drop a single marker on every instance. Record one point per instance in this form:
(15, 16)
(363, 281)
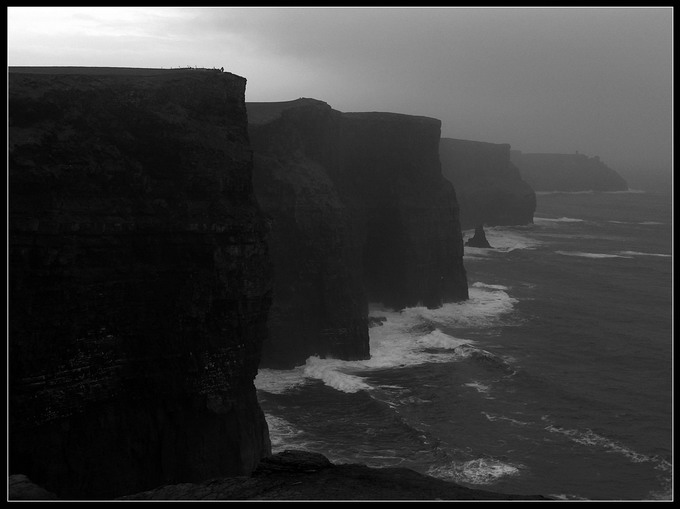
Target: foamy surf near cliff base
(409, 337)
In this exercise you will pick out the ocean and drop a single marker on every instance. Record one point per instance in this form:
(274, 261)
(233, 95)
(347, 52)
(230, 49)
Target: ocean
(554, 378)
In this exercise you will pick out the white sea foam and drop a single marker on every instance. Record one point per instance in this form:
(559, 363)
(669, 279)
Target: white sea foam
(627, 191)
(281, 432)
(637, 222)
(487, 306)
(638, 253)
(590, 255)
(330, 372)
(409, 337)
(278, 381)
(590, 438)
(565, 192)
(539, 220)
(564, 496)
(490, 287)
(479, 387)
(493, 418)
(476, 471)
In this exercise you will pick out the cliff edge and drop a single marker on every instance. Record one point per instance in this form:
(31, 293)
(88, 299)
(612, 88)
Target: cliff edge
(567, 172)
(359, 213)
(489, 187)
(139, 280)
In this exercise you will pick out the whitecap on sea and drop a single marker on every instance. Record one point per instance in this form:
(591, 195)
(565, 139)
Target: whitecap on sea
(409, 337)
(590, 255)
(538, 220)
(476, 471)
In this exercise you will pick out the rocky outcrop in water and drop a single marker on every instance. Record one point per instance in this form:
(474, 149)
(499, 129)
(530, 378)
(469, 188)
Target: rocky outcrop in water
(478, 239)
(359, 212)
(139, 280)
(567, 172)
(489, 187)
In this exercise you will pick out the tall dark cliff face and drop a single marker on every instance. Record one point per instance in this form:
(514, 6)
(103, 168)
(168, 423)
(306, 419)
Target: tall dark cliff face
(139, 281)
(360, 212)
(489, 187)
(567, 172)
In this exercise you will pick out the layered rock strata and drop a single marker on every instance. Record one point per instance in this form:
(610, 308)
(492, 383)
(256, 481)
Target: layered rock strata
(567, 172)
(359, 212)
(489, 187)
(139, 280)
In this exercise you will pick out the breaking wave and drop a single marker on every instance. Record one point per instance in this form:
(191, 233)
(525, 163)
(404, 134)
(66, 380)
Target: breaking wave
(589, 438)
(493, 418)
(627, 191)
(638, 253)
(637, 222)
(476, 471)
(479, 387)
(590, 255)
(282, 433)
(557, 220)
(590, 191)
(405, 338)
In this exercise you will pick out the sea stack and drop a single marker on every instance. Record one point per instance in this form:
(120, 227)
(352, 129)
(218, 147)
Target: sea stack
(478, 239)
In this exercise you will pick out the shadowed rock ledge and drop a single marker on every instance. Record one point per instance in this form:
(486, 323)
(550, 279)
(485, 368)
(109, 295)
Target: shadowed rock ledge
(299, 475)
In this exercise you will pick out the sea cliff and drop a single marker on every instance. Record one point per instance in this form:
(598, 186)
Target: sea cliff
(359, 213)
(488, 185)
(567, 172)
(139, 280)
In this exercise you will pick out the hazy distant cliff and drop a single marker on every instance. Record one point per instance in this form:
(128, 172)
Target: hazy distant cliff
(489, 187)
(360, 212)
(567, 172)
(139, 280)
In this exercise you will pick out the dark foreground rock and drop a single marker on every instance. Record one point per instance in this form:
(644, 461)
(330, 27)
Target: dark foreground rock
(139, 280)
(21, 487)
(298, 475)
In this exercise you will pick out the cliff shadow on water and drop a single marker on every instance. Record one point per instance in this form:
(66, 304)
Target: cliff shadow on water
(359, 212)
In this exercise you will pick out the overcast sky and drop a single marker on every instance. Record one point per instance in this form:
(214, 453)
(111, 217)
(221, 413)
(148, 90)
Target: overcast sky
(593, 80)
